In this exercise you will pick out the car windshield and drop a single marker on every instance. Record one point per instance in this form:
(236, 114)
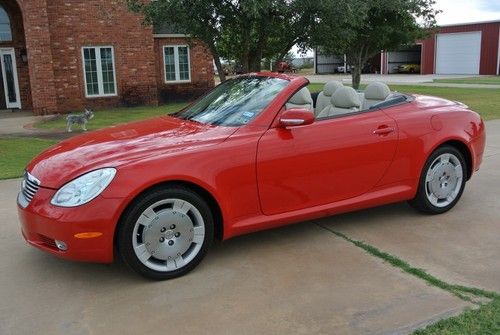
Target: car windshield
(234, 102)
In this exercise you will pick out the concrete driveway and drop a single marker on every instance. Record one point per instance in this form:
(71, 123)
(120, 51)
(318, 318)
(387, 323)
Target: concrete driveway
(300, 279)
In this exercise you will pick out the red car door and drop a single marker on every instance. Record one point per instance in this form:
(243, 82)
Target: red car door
(327, 161)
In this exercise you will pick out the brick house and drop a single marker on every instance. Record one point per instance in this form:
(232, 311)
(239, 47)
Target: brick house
(59, 56)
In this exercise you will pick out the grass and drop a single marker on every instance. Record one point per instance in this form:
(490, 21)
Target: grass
(484, 101)
(481, 321)
(109, 117)
(17, 152)
(485, 80)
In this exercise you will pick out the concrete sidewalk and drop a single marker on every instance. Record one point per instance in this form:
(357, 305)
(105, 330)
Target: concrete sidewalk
(13, 122)
(20, 124)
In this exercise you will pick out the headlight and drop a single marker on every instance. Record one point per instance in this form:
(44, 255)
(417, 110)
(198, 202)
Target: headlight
(84, 188)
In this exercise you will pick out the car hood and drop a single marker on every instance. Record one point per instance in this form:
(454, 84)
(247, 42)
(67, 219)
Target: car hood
(119, 145)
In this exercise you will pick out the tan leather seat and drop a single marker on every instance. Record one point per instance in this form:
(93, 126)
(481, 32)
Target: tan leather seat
(301, 99)
(375, 93)
(344, 101)
(325, 96)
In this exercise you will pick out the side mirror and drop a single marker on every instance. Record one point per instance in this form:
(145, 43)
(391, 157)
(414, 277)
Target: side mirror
(296, 117)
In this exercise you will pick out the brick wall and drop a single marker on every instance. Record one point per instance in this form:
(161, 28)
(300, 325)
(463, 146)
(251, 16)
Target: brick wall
(38, 43)
(54, 32)
(202, 71)
(75, 24)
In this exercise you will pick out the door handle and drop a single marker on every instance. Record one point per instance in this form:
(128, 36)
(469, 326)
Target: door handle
(383, 130)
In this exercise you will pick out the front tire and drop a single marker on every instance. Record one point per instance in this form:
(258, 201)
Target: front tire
(166, 232)
(442, 181)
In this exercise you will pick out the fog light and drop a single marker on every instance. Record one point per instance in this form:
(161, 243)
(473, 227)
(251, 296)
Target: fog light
(61, 245)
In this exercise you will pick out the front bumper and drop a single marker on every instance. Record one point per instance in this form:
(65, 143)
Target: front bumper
(43, 223)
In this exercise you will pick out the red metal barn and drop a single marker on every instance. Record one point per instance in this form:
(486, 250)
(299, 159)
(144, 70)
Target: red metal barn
(470, 48)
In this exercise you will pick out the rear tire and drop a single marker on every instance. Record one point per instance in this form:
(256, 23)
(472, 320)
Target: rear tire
(165, 233)
(442, 181)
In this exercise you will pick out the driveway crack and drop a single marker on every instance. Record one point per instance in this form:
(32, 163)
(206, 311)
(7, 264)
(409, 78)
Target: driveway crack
(473, 295)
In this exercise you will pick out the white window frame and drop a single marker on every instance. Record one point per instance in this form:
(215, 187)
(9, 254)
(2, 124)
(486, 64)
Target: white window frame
(100, 83)
(176, 64)
(12, 53)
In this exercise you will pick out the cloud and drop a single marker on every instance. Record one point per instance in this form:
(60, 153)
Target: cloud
(463, 11)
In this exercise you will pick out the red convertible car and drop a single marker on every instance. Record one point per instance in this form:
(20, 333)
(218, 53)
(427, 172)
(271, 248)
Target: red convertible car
(254, 153)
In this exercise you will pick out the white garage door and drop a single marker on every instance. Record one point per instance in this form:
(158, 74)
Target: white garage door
(458, 53)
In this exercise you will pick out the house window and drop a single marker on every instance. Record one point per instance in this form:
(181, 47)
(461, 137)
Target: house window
(5, 30)
(99, 68)
(177, 63)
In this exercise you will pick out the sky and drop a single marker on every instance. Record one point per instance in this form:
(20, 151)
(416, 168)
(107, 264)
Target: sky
(461, 11)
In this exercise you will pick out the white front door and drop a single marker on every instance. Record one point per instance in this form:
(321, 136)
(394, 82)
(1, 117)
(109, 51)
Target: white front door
(9, 76)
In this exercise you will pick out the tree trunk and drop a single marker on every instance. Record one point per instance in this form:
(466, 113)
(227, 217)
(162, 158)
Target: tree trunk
(356, 71)
(356, 76)
(217, 61)
(254, 61)
(244, 63)
(220, 69)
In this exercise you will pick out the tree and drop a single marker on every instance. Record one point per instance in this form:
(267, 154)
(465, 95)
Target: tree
(371, 26)
(266, 29)
(242, 30)
(197, 18)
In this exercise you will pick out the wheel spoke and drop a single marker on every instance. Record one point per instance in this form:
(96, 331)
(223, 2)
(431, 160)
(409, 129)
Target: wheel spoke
(430, 175)
(198, 239)
(142, 253)
(445, 159)
(179, 262)
(170, 265)
(433, 198)
(181, 206)
(149, 213)
(458, 171)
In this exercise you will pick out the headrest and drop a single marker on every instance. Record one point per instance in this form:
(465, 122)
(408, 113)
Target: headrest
(377, 91)
(346, 97)
(330, 87)
(302, 97)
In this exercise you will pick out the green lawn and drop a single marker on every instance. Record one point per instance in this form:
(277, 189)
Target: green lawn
(17, 152)
(482, 321)
(484, 101)
(486, 80)
(109, 117)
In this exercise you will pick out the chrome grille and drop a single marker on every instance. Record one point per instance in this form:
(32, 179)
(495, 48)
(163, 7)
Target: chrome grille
(29, 186)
